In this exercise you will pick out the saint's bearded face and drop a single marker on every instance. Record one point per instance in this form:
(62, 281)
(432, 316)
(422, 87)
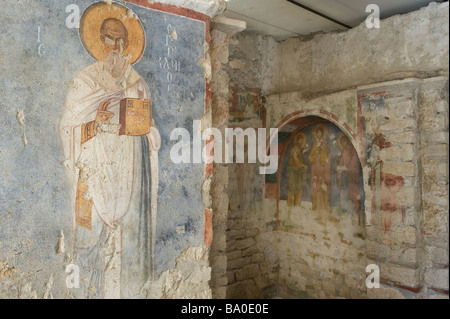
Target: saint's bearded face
(114, 35)
(319, 134)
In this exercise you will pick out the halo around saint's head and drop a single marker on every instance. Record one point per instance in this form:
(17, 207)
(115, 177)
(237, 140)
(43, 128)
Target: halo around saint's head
(340, 139)
(91, 22)
(303, 136)
(322, 127)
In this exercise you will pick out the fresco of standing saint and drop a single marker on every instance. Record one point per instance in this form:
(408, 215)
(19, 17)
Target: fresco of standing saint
(348, 172)
(296, 172)
(320, 160)
(113, 172)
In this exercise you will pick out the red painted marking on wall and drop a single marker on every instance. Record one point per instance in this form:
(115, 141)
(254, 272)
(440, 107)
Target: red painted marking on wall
(271, 190)
(169, 8)
(404, 287)
(386, 281)
(392, 182)
(289, 117)
(307, 234)
(330, 115)
(442, 291)
(407, 265)
(208, 95)
(347, 242)
(209, 169)
(381, 142)
(391, 283)
(362, 96)
(208, 227)
(264, 116)
(209, 144)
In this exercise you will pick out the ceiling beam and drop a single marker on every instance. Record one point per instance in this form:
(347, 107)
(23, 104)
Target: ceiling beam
(318, 13)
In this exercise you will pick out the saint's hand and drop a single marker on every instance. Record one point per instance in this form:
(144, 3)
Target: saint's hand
(103, 115)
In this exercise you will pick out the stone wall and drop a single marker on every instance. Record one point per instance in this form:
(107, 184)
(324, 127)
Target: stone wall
(410, 45)
(434, 158)
(219, 183)
(386, 89)
(252, 267)
(395, 235)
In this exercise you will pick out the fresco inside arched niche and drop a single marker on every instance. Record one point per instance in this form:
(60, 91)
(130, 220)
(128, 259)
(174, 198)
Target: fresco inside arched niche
(321, 173)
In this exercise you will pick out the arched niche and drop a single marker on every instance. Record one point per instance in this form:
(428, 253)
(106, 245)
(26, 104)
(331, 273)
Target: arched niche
(341, 188)
(320, 210)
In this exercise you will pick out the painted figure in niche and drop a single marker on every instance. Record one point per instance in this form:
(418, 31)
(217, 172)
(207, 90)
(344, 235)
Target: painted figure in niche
(110, 144)
(348, 172)
(320, 160)
(296, 172)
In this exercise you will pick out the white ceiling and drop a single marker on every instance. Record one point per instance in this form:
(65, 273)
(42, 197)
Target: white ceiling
(283, 19)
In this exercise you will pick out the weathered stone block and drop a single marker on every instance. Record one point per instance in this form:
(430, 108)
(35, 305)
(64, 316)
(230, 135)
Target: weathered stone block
(406, 196)
(234, 254)
(439, 256)
(245, 243)
(390, 154)
(399, 125)
(404, 108)
(236, 234)
(219, 292)
(436, 151)
(238, 263)
(404, 137)
(243, 290)
(405, 276)
(219, 261)
(249, 251)
(257, 258)
(406, 235)
(251, 232)
(438, 138)
(437, 278)
(399, 168)
(231, 277)
(384, 293)
(328, 287)
(408, 152)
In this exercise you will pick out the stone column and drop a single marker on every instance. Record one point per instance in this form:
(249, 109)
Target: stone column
(434, 157)
(222, 29)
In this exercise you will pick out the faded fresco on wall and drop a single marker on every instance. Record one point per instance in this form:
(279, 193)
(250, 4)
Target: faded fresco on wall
(321, 171)
(110, 146)
(95, 103)
(245, 105)
(320, 210)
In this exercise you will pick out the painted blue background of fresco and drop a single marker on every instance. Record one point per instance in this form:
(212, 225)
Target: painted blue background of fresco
(34, 193)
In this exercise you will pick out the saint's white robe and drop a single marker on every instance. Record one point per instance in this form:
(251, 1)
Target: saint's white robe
(121, 173)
